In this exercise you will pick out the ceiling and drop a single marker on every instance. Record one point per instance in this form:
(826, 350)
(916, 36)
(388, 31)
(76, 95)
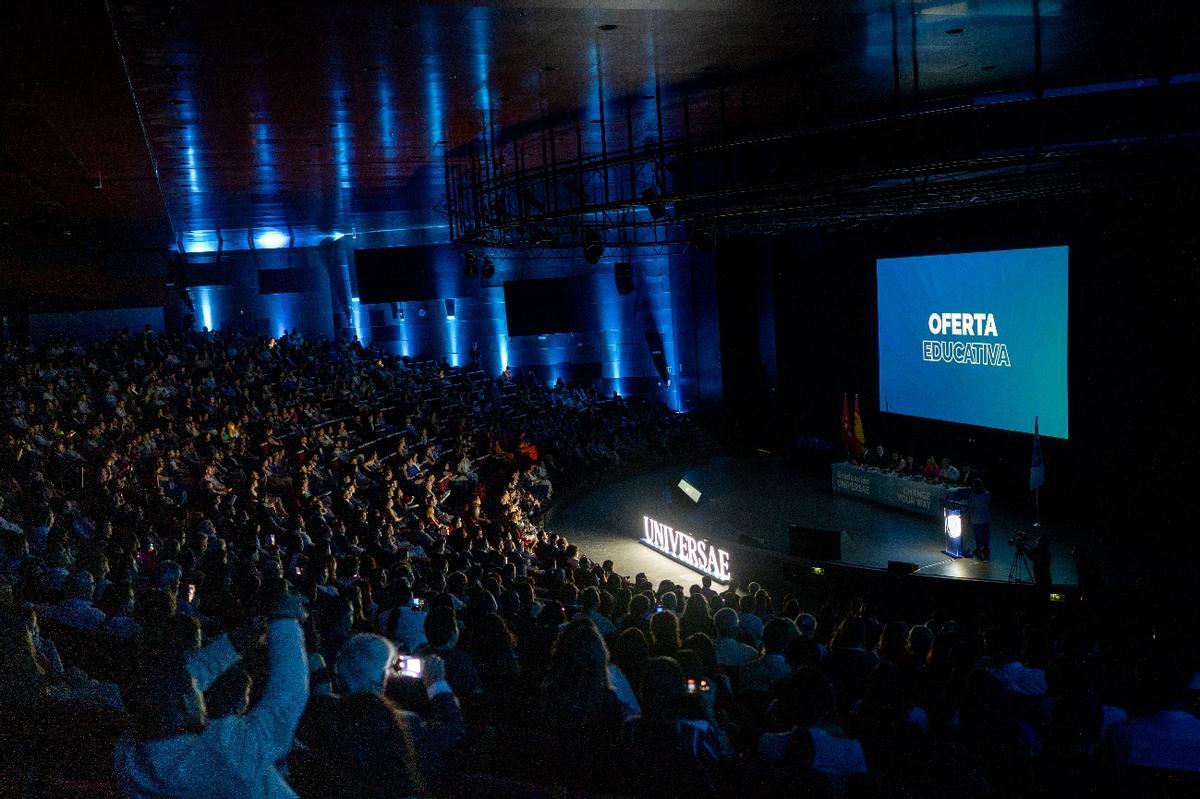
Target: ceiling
(143, 124)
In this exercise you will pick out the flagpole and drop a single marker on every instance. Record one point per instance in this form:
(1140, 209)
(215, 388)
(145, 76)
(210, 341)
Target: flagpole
(1037, 491)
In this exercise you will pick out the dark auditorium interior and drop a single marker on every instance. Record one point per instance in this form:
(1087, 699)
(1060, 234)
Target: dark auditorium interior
(599, 399)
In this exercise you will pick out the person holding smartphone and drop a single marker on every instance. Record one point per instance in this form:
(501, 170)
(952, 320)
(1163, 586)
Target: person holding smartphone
(404, 622)
(337, 730)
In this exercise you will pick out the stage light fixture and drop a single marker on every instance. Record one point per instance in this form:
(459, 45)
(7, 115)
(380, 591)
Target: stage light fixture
(489, 269)
(654, 204)
(450, 309)
(593, 246)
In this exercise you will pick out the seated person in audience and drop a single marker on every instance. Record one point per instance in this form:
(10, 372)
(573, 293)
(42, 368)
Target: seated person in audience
(76, 610)
(577, 704)
(807, 702)
(441, 634)
(175, 750)
(731, 653)
(849, 661)
(365, 664)
(404, 622)
(671, 744)
(1164, 736)
(771, 666)
(1005, 664)
(806, 624)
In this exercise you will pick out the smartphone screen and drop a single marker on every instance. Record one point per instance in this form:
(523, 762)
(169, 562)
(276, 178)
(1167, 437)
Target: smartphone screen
(271, 539)
(691, 686)
(191, 593)
(409, 666)
(418, 603)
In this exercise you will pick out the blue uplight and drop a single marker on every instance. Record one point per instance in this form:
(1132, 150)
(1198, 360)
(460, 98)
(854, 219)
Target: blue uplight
(271, 240)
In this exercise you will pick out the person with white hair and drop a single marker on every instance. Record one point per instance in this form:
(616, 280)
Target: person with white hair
(806, 623)
(364, 666)
(76, 610)
(729, 650)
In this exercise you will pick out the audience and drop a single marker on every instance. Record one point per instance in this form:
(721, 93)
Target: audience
(268, 529)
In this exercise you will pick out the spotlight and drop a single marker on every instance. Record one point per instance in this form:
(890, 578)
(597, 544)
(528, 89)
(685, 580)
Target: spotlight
(450, 310)
(471, 267)
(489, 269)
(593, 245)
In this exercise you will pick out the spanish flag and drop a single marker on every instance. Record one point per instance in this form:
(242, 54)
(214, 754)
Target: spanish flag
(858, 431)
(848, 440)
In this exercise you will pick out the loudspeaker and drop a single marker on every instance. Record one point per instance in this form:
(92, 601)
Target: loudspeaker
(623, 277)
(814, 543)
(900, 567)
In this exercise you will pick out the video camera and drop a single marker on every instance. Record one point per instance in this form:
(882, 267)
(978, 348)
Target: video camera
(1019, 539)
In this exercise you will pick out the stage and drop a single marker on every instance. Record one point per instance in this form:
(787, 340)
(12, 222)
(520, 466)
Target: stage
(759, 497)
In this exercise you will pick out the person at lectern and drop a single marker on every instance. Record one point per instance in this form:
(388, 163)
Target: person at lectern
(979, 511)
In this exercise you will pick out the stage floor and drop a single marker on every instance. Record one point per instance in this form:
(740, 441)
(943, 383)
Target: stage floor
(760, 497)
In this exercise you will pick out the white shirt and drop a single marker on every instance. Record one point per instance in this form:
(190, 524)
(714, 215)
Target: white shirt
(406, 625)
(623, 691)
(731, 652)
(232, 756)
(76, 613)
(1168, 739)
(836, 758)
(1020, 679)
(602, 623)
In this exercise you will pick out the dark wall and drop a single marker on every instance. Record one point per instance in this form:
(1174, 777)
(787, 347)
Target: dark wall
(1134, 295)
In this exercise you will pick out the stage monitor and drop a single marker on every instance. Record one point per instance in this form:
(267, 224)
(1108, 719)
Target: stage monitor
(978, 338)
(689, 490)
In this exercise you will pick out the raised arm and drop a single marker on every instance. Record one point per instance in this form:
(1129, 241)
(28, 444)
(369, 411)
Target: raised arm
(274, 718)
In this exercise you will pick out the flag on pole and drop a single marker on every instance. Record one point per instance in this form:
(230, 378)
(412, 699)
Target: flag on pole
(1037, 471)
(849, 442)
(858, 431)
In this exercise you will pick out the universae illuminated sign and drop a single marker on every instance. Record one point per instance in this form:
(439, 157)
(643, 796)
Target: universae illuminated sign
(694, 553)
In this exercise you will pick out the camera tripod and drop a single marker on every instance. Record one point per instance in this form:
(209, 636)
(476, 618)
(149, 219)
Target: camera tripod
(1020, 571)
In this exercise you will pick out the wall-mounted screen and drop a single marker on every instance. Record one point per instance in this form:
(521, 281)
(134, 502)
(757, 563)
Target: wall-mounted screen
(549, 305)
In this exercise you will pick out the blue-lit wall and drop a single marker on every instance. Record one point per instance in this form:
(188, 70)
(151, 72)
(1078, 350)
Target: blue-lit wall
(660, 340)
(224, 290)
